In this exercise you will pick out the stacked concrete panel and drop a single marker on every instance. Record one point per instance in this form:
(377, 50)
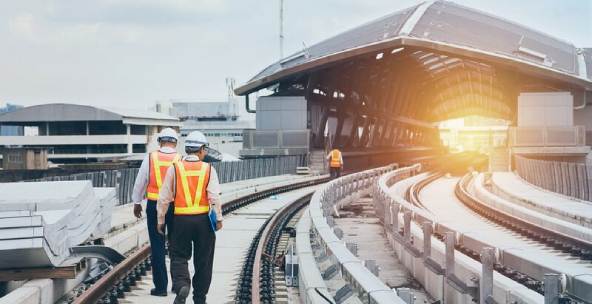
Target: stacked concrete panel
(108, 201)
(39, 222)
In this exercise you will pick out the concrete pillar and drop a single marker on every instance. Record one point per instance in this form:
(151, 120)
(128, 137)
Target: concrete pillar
(486, 283)
(407, 227)
(427, 240)
(129, 141)
(450, 241)
(87, 128)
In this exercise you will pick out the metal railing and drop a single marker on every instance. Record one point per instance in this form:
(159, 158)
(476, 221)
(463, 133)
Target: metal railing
(570, 179)
(254, 139)
(571, 136)
(123, 179)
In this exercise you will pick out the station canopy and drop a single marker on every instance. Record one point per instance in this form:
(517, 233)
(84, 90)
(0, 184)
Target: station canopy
(458, 60)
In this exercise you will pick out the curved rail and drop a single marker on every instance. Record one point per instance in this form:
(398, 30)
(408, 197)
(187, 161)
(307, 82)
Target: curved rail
(575, 246)
(392, 207)
(276, 221)
(111, 285)
(515, 267)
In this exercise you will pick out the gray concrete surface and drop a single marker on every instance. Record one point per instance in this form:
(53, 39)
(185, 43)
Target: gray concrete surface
(361, 226)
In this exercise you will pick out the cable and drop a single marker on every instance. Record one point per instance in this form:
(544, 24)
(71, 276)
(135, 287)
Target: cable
(323, 296)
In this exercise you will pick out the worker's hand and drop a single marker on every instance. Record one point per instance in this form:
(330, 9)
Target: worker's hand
(159, 228)
(138, 210)
(218, 225)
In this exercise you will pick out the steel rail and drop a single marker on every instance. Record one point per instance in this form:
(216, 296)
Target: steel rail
(102, 287)
(520, 225)
(97, 291)
(284, 212)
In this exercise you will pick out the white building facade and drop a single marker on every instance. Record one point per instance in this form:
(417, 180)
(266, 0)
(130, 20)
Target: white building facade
(80, 133)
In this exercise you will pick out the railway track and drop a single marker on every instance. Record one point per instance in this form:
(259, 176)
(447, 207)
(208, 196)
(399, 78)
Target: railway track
(113, 285)
(552, 252)
(256, 282)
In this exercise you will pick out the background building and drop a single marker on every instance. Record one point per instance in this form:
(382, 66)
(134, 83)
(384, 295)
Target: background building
(79, 133)
(221, 121)
(10, 130)
(474, 133)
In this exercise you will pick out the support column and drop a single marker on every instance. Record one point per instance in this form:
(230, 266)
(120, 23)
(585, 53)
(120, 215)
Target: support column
(375, 136)
(320, 132)
(341, 116)
(366, 131)
(353, 131)
(129, 140)
(87, 128)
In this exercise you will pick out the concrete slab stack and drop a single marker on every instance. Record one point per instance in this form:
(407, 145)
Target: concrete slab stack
(108, 201)
(39, 222)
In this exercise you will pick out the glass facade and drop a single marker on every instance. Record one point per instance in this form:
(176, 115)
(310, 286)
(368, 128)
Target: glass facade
(11, 130)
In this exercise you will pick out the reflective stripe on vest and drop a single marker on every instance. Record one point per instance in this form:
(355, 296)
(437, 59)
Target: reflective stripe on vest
(191, 196)
(159, 164)
(335, 159)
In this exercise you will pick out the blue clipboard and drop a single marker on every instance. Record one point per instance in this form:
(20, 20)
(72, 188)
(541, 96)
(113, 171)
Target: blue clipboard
(213, 219)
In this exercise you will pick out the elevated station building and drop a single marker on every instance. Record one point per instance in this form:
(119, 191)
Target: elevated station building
(80, 133)
(384, 85)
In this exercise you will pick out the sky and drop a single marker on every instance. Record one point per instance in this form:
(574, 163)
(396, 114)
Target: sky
(130, 53)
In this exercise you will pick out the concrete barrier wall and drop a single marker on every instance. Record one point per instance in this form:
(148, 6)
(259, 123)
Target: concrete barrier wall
(570, 179)
(334, 194)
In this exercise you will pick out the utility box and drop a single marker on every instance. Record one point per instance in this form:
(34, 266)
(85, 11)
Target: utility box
(545, 109)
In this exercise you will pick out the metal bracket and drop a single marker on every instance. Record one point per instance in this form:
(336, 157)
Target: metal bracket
(433, 266)
(412, 250)
(460, 286)
(104, 253)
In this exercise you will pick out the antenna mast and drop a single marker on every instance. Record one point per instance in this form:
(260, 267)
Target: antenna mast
(281, 29)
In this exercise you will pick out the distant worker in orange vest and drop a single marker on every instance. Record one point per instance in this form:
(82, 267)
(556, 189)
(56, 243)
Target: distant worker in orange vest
(336, 163)
(193, 186)
(148, 182)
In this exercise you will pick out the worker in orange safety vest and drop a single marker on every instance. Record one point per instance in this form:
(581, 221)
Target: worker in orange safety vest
(193, 187)
(148, 182)
(335, 163)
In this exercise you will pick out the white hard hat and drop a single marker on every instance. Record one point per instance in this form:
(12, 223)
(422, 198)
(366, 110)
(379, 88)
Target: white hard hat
(168, 135)
(196, 139)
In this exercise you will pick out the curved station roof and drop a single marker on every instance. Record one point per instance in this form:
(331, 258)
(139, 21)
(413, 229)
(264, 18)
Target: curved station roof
(457, 60)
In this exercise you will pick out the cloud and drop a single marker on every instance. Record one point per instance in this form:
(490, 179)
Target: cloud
(22, 26)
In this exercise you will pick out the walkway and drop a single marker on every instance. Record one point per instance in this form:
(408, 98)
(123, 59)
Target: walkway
(509, 186)
(361, 226)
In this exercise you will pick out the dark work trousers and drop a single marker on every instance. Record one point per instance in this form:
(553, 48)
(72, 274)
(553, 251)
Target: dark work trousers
(335, 172)
(193, 232)
(157, 243)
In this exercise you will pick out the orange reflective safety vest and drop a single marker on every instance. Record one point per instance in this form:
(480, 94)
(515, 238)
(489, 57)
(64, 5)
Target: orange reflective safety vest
(159, 164)
(192, 181)
(335, 159)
